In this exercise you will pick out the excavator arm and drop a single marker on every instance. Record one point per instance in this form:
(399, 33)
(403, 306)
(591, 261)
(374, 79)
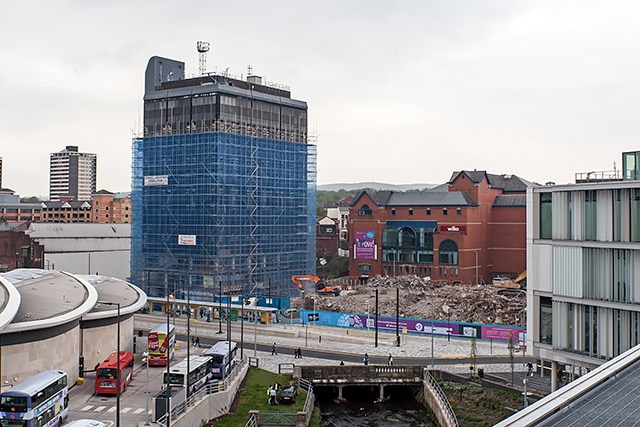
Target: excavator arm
(314, 284)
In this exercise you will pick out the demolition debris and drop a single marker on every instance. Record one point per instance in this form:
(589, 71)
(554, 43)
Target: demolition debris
(424, 299)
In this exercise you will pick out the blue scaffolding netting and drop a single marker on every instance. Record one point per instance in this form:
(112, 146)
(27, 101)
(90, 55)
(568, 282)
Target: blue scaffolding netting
(214, 210)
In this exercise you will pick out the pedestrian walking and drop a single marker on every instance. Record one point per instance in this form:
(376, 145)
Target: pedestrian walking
(197, 341)
(273, 350)
(299, 353)
(366, 359)
(390, 361)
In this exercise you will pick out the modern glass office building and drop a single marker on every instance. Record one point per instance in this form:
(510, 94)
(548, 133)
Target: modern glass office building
(224, 184)
(583, 269)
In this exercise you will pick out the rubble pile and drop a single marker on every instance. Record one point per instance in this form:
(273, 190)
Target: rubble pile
(424, 299)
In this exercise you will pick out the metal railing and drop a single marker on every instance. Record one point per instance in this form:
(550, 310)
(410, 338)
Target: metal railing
(253, 421)
(439, 394)
(279, 419)
(210, 388)
(284, 418)
(307, 386)
(598, 176)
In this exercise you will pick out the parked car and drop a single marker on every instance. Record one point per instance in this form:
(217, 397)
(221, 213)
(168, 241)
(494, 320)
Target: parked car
(288, 394)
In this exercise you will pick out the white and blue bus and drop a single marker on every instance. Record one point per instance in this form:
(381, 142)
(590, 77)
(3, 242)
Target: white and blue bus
(199, 374)
(224, 355)
(42, 400)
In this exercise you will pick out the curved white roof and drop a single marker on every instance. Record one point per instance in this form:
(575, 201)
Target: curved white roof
(34, 298)
(48, 298)
(111, 292)
(9, 302)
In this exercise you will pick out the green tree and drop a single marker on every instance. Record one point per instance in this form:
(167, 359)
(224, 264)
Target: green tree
(31, 199)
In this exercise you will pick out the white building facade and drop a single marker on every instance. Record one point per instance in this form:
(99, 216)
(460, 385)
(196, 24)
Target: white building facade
(72, 174)
(583, 268)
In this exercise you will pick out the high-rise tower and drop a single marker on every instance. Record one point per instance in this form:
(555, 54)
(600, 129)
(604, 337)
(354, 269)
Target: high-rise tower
(224, 184)
(72, 174)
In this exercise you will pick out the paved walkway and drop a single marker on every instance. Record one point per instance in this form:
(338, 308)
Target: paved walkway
(356, 343)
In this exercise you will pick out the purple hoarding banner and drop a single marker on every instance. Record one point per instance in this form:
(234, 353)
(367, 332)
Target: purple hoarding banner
(424, 327)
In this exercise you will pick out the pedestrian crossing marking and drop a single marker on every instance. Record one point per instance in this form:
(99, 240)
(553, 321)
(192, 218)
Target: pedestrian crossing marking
(112, 409)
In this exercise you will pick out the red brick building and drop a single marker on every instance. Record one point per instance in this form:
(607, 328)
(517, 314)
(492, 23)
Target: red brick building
(104, 207)
(326, 237)
(469, 230)
(17, 249)
(107, 209)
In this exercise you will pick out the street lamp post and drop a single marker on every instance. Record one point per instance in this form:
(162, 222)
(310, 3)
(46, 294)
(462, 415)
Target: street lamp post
(118, 357)
(397, 316)
(146, 358)
(367, 315)
(305, 322)
(314, 308)
(220, 310)
(433, 366)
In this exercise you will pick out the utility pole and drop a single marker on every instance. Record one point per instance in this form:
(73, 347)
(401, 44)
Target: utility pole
(376, 340)
(397, 316)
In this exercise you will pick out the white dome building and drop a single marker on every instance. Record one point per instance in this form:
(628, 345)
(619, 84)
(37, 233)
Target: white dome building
(55, 320)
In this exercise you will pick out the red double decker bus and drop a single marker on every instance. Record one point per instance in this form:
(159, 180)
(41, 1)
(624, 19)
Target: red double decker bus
(161, 344)
(107, 373)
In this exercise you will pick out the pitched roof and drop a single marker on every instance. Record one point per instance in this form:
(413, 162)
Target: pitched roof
(80, 237)
(510, 200)
(505, 182)
(379, 197)
(59, 205)
(431, 198)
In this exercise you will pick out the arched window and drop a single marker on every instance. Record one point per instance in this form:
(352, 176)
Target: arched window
(407, 244)
(448, 252)
(365, 210)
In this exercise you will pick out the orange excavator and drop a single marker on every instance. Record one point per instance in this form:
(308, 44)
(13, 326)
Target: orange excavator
(314, 284)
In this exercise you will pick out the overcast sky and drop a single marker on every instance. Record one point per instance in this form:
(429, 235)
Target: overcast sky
(398, 92)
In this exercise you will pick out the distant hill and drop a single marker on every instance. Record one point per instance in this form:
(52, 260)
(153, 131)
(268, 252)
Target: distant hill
(375, 186)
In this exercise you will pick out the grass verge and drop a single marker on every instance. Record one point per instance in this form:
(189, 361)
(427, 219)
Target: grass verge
(253, 396)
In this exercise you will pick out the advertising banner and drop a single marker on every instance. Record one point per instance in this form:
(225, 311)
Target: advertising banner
(151, 180)
(365, 247)
(414, 326)
(186, 239)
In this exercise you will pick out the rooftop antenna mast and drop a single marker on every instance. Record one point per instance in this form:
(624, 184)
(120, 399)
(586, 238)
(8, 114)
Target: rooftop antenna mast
(203, 48)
